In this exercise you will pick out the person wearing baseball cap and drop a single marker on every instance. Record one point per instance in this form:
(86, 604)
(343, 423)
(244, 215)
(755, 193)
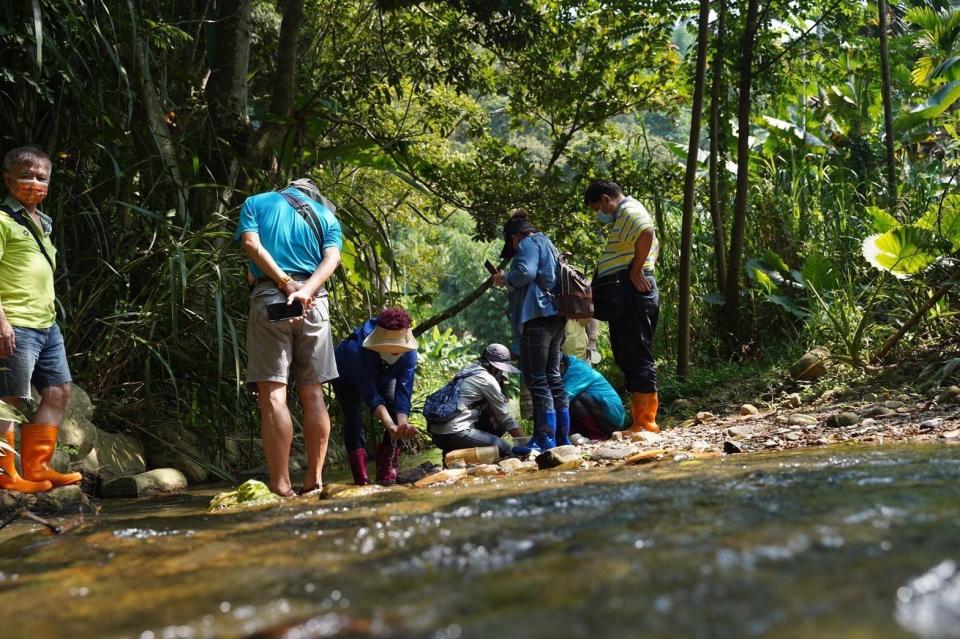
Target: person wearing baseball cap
(483, 415)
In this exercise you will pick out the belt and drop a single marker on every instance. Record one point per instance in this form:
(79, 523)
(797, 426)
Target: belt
(620, 276)
(300, 277)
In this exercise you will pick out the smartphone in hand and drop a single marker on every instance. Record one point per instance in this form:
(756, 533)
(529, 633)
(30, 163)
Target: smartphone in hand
(283, 311)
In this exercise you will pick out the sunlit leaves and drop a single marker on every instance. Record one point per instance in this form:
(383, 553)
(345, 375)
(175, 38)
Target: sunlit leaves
(944, 221)
(903, 251)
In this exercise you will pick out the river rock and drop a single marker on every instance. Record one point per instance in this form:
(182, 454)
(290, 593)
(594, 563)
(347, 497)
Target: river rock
(793, 400)
(154, 482)
(799, 419)
(448, 475)
(841, 420)
(731, 447)
(510, 464)
(749, 409)
(793, 437)
(484, 470)
(415, 474)
(930, 424)
(893, 404)
(579, 440)
(529, 466)
(701, 446)
(645, 456)
(741, 432)
(646, 437)
(771, 443)
(613, 453)
(949, 395)
(350, 491)
(66, 499)
(705, 416)
(457, 463)
(559, 456)
(116, 454)
(878, 411)
(77, 434)
(953, 434)
(812, 365)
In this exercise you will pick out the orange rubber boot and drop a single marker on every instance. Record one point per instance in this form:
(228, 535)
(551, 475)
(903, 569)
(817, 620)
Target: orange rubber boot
(38, 443)
(643, 409)
(10, 479)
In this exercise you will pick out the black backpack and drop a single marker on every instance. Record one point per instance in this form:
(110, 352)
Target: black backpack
(444, 404)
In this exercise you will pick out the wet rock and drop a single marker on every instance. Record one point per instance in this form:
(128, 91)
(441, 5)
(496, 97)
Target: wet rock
(484, 470)
(645, 456)
(930, 424)
(529, 466)
(510, 464)
(741, 432)
(559, 456)
(646, 437)
(953, 434)
(411, 475)
(60, 500)
(793, 400)
(154, 482)
(448, 475)
(893, 404)
(705, 416)
(349, 491)
(878, 411)
(793, 437)
(701, 446)
(749, 409)
(613, 453)
(841, 420)
(731, 447)
(812, 365)
(799, 419)
(949, 395)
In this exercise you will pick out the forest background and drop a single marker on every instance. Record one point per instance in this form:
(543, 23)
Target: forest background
(799, 158)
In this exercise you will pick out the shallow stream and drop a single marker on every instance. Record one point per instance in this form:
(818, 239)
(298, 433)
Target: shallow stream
(838, 542)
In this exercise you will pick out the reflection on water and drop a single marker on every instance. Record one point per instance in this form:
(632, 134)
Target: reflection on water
(827, 543)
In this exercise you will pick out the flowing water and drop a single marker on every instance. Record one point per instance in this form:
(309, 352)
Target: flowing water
(841, 542)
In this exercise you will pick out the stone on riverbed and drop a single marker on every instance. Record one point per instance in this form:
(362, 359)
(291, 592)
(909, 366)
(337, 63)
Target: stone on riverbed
(646, 437)
(793, 400)
(449, 475)
(646, 456)
(799, 419)
(812, 365)
(749, 409)
(878, 411)
(613, 453)
(566, 456)
(510, 464)
(63, 500)
(741, 432)
(484, 470)
(731, 447)
(154, 482)
(841, 420)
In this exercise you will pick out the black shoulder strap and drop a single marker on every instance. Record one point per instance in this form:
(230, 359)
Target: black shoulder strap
(22, 220)
(307, 213)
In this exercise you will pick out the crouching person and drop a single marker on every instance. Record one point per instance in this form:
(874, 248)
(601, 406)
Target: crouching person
(596, 410)
(480, 412)
(377, 363)
(31, 346)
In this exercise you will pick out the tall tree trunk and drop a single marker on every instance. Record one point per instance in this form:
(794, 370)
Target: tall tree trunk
(731, 310)
(887, 106)
(716, 143)
(229, 60)
(689, 185)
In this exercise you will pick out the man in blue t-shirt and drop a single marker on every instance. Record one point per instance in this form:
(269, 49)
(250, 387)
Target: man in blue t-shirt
(293, 242)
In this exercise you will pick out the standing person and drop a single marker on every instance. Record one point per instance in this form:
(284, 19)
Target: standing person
(540, 328)
(377, 365)
(483, 414)
(293, 242)
(31, 345)
(627, 262)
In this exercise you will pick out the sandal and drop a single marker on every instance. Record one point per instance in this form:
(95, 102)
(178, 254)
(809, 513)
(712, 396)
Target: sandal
(289, 493)
(309, 492)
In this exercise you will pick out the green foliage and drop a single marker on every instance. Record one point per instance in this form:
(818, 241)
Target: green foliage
(440, 356)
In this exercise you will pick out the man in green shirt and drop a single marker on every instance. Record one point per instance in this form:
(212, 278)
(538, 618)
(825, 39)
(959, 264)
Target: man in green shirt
(31, 345)
(627, 262)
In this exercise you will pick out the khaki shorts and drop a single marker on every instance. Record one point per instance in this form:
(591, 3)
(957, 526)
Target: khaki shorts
(300, 351)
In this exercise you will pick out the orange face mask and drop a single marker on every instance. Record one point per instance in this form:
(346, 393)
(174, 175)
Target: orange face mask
(30, 191)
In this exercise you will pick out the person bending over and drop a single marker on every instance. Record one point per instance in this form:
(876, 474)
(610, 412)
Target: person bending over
(596, 411)
(484, 414)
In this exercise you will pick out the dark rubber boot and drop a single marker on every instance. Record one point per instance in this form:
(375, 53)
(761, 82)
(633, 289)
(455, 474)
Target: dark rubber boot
(358, 466)
(563, 426)
(545, 430)
(387, 457)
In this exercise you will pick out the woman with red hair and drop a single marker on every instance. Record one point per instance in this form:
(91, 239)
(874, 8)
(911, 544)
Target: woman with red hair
(377, 363)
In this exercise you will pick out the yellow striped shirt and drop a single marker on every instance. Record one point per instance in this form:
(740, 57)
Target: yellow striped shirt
(631, 220)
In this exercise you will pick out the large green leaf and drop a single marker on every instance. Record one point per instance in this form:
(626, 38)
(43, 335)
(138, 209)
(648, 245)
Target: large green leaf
(795, 131)
(903, 251)
(820, 273)
(934, 106)
(881, 220)
(944, 221)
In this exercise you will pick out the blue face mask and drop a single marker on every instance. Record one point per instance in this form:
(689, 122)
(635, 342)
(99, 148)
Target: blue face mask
(605, 218)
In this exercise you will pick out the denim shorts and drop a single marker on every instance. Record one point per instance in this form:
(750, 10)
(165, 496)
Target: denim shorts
(39, 358)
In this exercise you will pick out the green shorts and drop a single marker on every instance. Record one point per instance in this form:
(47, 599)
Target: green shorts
(300, 351)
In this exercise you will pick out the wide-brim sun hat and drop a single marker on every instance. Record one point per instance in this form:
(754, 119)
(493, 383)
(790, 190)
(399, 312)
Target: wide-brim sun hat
(498, 356)
(383, 340)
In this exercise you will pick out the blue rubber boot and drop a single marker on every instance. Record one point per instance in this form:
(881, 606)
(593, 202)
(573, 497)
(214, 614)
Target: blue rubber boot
(563, 426)
(545, 428)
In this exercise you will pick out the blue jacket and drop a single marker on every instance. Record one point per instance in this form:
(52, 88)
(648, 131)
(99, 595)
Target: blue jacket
(533, 272)
(367, 371)
(580, 378)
